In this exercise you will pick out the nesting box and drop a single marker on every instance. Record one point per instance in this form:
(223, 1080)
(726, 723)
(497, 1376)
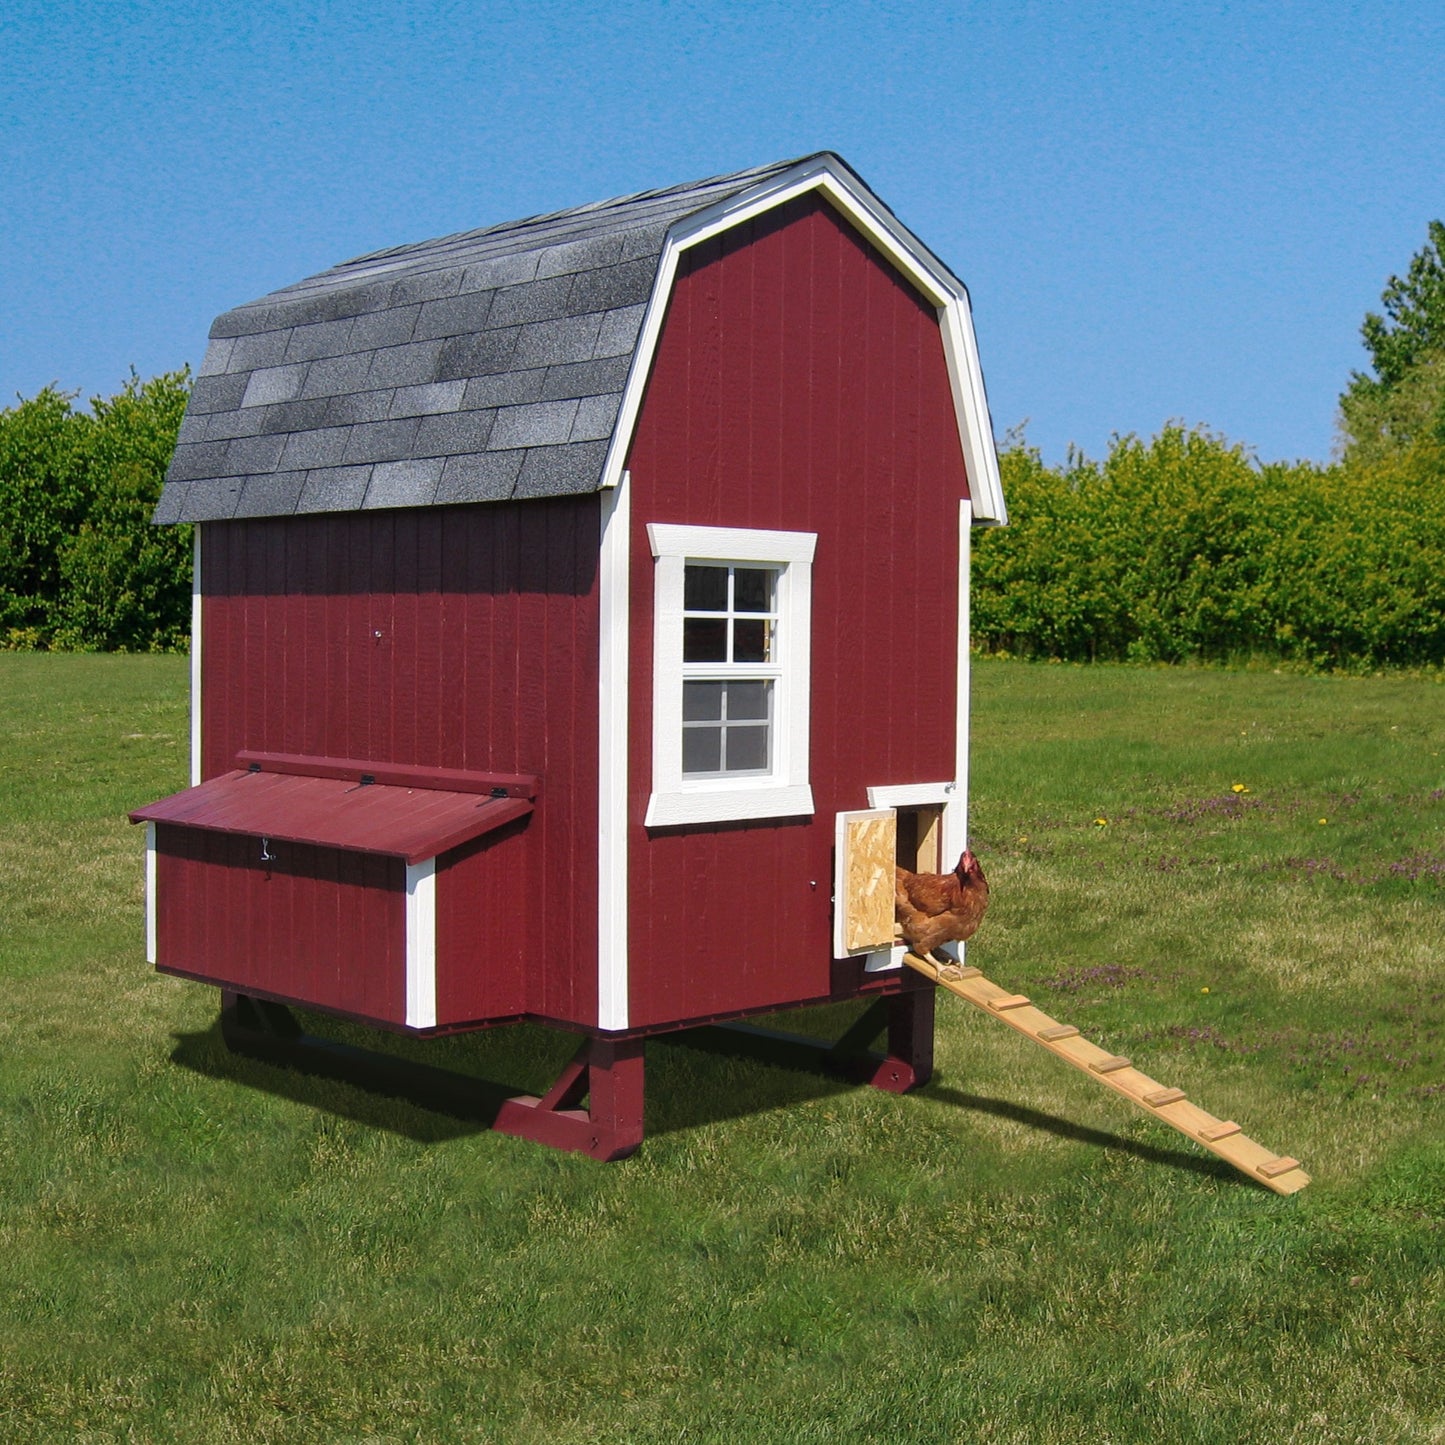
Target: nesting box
(581, 626)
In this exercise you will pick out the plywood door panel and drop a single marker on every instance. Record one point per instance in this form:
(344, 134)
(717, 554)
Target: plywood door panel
(867, 847)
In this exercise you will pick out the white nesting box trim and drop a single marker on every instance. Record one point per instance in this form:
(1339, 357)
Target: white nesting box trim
(151, 893)
(421, 944)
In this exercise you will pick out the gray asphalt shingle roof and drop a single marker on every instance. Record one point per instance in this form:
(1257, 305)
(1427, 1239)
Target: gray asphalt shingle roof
(477, 367)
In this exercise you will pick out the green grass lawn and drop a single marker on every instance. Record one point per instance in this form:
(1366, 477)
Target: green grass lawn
(198, 1247)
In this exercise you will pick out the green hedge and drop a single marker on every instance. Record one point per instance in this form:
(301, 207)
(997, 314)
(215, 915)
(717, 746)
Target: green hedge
(1178, 549)
(1184, 548)
(81, 568)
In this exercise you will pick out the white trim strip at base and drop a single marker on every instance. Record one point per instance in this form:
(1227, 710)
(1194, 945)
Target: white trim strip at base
(890, 958)
(883, 960)
(421, 944)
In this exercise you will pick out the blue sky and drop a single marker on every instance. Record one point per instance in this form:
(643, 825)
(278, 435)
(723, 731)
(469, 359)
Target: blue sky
(1161, 210)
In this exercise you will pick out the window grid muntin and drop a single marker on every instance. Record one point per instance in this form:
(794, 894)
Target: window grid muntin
(729, 669)
(731, 731)
(731, 614)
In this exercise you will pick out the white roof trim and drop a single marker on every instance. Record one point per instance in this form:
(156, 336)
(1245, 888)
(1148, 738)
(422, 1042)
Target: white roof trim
(921, 267)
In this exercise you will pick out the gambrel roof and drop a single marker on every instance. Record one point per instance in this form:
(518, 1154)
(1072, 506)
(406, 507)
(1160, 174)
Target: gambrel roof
(491, 364)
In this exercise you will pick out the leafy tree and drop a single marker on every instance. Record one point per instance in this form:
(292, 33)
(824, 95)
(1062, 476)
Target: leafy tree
(125, 584)
(1405, 398)
(80, 565)
(44, 494)
(1415, 308)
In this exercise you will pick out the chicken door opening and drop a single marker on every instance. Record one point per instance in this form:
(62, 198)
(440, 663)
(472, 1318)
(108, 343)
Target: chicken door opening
(919, 838)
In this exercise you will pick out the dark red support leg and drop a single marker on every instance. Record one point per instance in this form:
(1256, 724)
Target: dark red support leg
(608, 1074)
(909, 1060)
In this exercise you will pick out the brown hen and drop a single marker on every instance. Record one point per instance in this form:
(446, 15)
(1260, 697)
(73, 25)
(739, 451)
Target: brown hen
(936, 908)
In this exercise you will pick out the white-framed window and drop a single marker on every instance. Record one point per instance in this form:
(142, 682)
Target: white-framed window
(731, 652)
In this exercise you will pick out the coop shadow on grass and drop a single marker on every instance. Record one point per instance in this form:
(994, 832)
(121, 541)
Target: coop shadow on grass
(716, 1095)
(1083, 1134)
(696, 1078)
(383, 1091)
(432, 1090)
(427, 1090)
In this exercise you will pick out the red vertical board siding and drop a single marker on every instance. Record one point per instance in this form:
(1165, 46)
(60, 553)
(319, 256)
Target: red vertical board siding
(799, 384)
(230, 916)
(486, 659)
(492, 965)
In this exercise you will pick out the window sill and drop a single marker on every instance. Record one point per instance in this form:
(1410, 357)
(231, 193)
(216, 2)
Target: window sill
(733, 803)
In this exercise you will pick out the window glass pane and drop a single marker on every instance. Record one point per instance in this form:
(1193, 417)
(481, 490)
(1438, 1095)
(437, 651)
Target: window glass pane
(702, 750)
(747, 748)
(704, 589)
(752, 589)
(704, 639)
(752, 640)
(702, 702)
(746, 700)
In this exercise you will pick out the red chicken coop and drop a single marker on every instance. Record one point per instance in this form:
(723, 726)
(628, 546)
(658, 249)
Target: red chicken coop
(581, 630)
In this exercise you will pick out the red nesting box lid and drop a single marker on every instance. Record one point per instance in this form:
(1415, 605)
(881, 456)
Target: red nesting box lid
(406, 813)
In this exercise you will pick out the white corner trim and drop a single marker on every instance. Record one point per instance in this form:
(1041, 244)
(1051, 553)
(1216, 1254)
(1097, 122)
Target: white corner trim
(785, 793)
(955, 815)
(614, 617)
(911, 257)
(195, 653)
(970, 404)
(151, 952)
(421, 944)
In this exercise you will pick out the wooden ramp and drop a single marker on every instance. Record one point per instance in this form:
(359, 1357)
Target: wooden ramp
(1220, 1136)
